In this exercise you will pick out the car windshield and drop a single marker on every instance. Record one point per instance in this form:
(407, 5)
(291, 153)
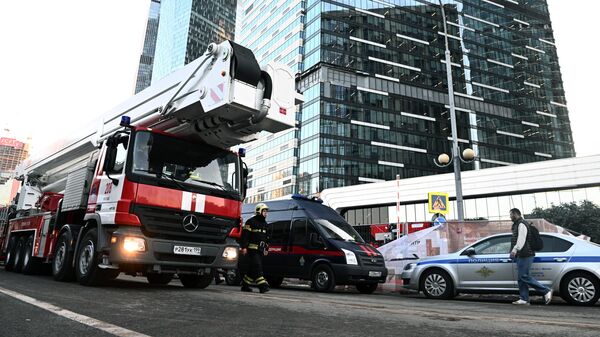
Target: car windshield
(338, 230)
(185, 164)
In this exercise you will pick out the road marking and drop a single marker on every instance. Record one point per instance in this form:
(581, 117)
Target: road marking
(94, 323)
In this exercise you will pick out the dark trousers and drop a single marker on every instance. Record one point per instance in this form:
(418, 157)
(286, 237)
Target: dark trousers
(251, 268)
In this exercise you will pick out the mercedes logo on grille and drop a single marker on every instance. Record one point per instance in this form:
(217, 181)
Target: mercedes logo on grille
(190, 223)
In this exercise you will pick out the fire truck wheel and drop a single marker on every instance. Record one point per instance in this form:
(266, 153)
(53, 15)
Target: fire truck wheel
(196, 281)
(31, 264)
(323, 278)
(19, 252)
(86, 264)
(233, 278)
(159, 279)
(274, 281)
(62, 268)
(366, 288)
(436, 283)
(10, 253)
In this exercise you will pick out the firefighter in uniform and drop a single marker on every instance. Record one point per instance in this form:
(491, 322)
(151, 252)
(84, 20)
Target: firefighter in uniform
(253, 244)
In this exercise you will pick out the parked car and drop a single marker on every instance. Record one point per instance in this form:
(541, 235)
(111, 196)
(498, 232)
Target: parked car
(570, 266)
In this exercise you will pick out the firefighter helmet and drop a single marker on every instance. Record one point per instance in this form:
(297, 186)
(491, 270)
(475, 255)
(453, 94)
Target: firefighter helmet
(260, 207)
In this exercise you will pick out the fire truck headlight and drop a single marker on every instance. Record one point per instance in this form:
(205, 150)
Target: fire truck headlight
(133, 244)
(350, 257)
(230, 253)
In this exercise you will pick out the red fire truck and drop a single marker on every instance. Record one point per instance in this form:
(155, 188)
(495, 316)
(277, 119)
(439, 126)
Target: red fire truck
(154, 190)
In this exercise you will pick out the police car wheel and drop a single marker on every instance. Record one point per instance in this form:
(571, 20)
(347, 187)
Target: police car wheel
(436, 283)
(580, 288)
(323, 278)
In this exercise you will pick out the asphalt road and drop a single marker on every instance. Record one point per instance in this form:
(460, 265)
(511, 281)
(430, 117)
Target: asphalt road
(39, 306)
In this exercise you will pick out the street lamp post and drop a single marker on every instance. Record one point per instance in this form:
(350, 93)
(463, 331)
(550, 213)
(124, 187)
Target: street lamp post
(457, 177)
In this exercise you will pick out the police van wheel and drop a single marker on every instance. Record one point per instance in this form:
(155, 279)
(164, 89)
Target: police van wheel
(62, 269)
(436, 283)
(31, 264)
(196, 281)
(323, 278)
(274, 281)
(366, 288)
(10, 253)
(580, 288)
(159, 279)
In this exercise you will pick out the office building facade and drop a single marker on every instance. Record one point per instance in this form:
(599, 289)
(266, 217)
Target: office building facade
(375, 88)
(144, 75)
(373, 75)
(273, 30)
(185, 30)
(12, 152)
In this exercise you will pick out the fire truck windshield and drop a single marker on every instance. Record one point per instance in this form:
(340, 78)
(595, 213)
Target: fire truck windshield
(338, 230)
(161, 159)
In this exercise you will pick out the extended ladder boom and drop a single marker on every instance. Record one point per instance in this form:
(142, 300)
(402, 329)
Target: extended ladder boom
(223, 98)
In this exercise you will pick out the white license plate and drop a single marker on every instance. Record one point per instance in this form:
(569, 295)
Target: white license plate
(185, 250)
(374, 274)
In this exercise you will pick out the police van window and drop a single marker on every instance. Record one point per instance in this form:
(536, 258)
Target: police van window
(338, 230)
(299, 232)
(279, 232)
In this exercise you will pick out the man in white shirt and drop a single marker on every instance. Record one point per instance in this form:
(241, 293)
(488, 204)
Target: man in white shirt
(522, 253)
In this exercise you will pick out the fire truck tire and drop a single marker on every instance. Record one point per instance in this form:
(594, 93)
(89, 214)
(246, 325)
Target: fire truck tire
(62, 267)
(86, 263)
(323, 278)
(19, 252)
(366, 288)
(233, 278)
(159, 279)
(196, 281)
(10, 253)
(31, 264)
(274, 281)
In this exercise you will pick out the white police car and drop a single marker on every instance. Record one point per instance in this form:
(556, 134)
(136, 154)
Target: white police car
(570, 266)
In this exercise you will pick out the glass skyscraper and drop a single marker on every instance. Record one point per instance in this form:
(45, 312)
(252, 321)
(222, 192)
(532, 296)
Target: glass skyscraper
(186, 29)
(273, 30)
(144, 76)
(373, 76)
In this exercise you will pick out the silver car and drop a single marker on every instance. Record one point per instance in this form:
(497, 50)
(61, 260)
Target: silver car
(570, 266)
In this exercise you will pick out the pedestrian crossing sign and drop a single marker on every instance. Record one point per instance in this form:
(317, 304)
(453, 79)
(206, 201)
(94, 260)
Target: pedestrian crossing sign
(438, 202)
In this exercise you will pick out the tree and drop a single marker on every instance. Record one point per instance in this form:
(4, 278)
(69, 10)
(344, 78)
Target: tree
(583, 217)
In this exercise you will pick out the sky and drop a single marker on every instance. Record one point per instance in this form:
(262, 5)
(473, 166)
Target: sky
(66, 62)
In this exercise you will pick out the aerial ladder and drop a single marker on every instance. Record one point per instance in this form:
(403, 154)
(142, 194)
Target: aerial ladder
(153, 189)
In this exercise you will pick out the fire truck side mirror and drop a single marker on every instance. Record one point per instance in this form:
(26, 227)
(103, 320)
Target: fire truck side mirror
(109, 158)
